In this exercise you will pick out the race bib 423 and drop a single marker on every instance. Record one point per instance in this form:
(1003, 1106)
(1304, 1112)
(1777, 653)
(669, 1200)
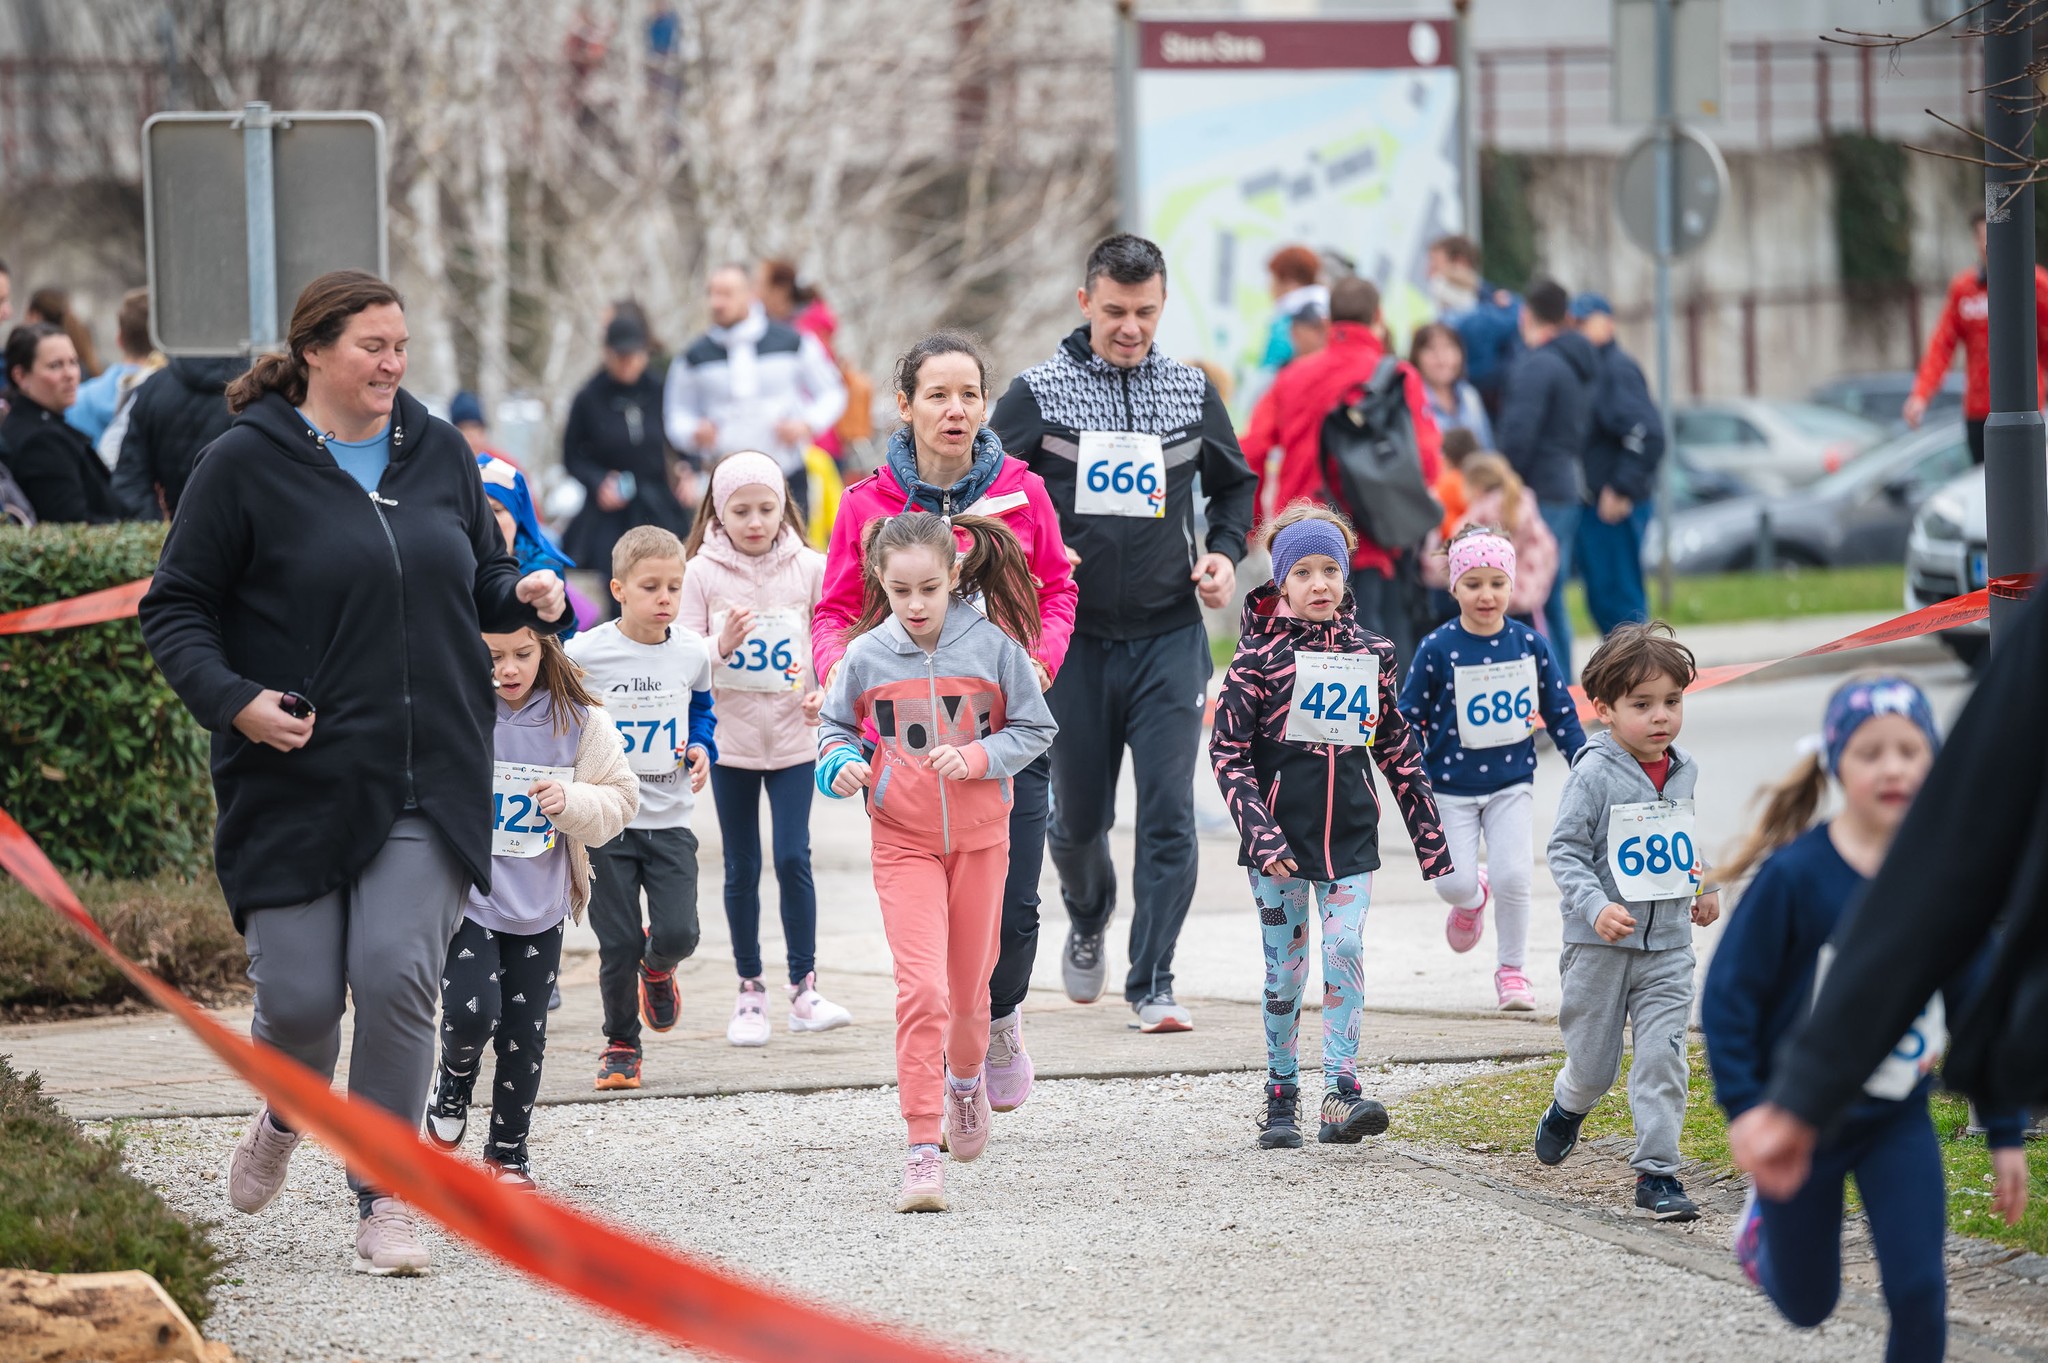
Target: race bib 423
(518, 828)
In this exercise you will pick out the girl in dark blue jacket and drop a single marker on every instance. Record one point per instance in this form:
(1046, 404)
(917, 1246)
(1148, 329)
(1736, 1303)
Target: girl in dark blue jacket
(1878, 742)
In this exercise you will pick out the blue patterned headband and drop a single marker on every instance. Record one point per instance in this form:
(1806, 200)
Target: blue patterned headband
(1859, 701)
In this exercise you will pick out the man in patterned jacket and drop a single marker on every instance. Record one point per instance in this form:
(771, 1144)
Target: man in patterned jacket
(1121, 434)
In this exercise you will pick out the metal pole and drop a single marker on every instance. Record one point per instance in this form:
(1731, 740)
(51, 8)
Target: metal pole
(1667, 215)
(2015, 475)
(1468, 120)
(1127, 216)
(260, 188)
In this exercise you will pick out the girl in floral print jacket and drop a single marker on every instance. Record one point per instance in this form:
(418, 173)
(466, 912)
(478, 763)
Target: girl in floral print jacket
(1306, 710)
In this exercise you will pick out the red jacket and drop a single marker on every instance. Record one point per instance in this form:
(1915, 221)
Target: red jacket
(1017, 498)
(1966, 320)
(1291, 416)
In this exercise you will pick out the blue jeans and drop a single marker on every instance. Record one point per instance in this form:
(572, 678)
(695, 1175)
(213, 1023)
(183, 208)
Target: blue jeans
(1610, 562)
(1897, 1164)
(1563, 520)
(737, 792)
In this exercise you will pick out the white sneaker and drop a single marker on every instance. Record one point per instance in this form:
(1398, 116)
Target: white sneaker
(810, 1011)
(750, 1025)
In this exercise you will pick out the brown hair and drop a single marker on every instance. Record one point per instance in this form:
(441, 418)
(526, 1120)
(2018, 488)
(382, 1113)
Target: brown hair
(318, 319)
(1459, 445)
(1294, 265)
(946, 342)
(1429, 333)
(1455, 247)
(1633, 654)
(1789, 807)
(1355, 299)
(782, 274)
(131, 324)
(54, 307)
(1486, 471)
(1303, 509)
(643, 542)
(569, 700)
(22, 344)
(994, 568)
(707, 516)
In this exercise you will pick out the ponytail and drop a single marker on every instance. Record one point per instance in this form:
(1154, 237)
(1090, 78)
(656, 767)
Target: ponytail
(993, 568)
(284, 374)
(1789, 808)
(318, 319)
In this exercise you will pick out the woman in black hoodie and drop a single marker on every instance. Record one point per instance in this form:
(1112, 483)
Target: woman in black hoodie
(52, 461)
(319, 607)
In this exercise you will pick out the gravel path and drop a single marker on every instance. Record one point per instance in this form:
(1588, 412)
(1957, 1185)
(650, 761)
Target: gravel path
(1109, 1220)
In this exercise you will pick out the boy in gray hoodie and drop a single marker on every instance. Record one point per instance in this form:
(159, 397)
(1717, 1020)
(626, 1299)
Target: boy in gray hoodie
(1625, 858)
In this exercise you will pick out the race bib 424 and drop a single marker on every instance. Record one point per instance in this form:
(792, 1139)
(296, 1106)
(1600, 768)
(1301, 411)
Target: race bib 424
(1336, 698)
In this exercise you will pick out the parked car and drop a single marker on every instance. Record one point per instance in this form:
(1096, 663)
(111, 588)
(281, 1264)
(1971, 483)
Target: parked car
(1773, 446)
(1861, 513)
(1881, 396)
(1945, 557)
(1690, 485)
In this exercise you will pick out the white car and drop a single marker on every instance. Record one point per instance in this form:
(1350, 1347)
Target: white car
(1772, 446)
(1945, 557)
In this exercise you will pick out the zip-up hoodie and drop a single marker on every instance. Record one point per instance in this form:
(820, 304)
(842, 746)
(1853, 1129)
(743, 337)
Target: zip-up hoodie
(1314, 803)
(280, 573)
(1013, 495)
(976, 691)
(1603, 776)
(1546, 416)
(1135, 573)
(757, 730)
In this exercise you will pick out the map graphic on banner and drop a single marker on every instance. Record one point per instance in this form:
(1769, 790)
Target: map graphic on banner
(1345, 137)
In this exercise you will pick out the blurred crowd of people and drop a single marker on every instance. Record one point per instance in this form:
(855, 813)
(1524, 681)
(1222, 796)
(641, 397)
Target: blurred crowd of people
(1516, 410)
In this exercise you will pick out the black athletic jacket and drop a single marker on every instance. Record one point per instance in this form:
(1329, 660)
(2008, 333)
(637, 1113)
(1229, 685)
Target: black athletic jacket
(1133, 575)
(280, 572)
(177, 412)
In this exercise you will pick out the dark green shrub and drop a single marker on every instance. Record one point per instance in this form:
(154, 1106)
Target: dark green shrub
(67, 1205)
(1507, 240)
(99, 761)
(1873, 215)
(178, 928)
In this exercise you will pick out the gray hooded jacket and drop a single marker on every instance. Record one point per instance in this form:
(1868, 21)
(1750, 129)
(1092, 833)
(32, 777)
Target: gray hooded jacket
(1605, 776)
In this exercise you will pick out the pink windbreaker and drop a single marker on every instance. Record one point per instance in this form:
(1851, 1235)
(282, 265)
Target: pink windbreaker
(757, 730)
(1017, 498)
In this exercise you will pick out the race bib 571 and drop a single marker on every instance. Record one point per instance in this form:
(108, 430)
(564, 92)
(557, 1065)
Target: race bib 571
(652, 726)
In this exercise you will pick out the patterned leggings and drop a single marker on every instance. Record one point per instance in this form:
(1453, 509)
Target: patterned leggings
(494, 992)
(1283, 923)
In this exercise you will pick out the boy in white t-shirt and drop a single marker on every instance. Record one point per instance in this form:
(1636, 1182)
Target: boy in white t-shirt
(653, 677)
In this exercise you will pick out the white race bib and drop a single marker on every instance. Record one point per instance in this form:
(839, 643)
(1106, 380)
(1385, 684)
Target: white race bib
(1336, 698)
(775, 655)
(518, 828)
(652, 725)
(1917, 1053)
(1122, 474)
(1496, 703)
(1650, 850)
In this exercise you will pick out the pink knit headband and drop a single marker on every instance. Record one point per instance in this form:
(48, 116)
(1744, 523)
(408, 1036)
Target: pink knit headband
(747, 468)
(1482, 551)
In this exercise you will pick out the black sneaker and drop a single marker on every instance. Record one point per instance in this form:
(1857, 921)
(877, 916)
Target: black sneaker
(448, 1113)
(1664, 1198)
(619, 1066)
(511, 1167)
(1280, 1128)
(1557, 1133)
(661, 1003)
(1349, 1118)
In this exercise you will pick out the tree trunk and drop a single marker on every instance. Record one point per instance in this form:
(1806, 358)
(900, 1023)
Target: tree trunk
(102, 1317)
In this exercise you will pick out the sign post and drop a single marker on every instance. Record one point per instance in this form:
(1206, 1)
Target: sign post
(243, 210)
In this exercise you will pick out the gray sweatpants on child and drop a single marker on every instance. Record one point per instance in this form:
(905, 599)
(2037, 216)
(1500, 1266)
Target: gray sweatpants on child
(1650, 991)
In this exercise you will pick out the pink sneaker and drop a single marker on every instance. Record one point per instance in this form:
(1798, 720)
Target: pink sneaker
(1007, 1068)
(924, 1183)
(810, 1011)
(1463, 926)
(967, 1120)
(1516, 994)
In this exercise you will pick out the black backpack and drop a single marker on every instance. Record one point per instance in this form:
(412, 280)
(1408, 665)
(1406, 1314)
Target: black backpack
(1371, 464)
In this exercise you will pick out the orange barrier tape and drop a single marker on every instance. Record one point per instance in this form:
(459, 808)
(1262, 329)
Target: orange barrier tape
(1957, 611)
(680, 1299)
(115, 603)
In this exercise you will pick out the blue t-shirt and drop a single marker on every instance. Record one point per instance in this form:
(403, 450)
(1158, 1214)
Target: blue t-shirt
(362, 460)
(1429, 703)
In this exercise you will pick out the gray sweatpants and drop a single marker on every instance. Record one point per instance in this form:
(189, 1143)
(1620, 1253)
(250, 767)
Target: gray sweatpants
(1650, 991)
(381, 938)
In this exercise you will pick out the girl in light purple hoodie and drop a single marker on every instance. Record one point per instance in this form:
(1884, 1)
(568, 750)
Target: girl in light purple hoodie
(560, 786)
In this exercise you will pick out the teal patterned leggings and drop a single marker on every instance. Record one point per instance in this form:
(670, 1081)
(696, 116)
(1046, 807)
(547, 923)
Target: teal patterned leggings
(1283, 923)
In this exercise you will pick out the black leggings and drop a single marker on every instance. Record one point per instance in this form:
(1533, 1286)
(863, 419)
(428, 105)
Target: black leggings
(494, 991)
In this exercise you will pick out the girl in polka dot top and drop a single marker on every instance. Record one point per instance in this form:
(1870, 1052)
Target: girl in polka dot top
(1479, 688)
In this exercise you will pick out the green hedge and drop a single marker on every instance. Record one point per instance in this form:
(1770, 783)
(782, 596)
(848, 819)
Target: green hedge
(1507, 229)
(67, 1205)
(99, 761)
(1873, 213)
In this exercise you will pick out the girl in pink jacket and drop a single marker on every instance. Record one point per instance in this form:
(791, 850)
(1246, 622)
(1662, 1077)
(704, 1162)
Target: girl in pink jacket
(750, 587)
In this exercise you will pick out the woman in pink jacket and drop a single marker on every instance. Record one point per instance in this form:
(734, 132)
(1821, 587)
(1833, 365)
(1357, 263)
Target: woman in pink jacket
(750, 587)
(945, 459)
